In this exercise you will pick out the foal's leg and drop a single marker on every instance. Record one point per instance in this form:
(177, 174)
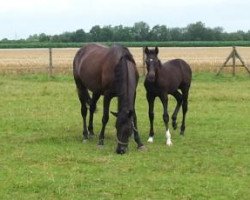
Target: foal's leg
(92, 108)
(105, 118)
(184, 108)
(177, 95)
(164, 100)
(151, 99)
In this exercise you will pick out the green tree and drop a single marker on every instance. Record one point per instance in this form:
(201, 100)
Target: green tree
(106, 34)
(177, 34)
(160, 33)
(43, 37)
(196, 31)
(141, 31)
(95, 33)
(79, 36)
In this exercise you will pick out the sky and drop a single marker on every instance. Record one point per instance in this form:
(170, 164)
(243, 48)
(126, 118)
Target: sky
(21, 18)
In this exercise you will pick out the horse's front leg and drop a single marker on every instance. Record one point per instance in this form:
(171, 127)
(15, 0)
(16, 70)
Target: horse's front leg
(164, 100)
(136, 134)
(92, 109)
(105, 118)
(151, 99)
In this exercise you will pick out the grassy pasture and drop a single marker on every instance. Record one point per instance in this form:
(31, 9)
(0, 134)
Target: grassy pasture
(201, 59)
(42, 157)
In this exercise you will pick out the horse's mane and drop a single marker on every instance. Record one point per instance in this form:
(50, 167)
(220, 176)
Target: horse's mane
(123, 52)
(121, 73)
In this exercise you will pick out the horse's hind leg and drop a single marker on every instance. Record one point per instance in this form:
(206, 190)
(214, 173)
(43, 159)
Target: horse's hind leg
(184, 107)
(105, 118)
(92, 109)
(84, 99)
(177, 95)
(84, 114)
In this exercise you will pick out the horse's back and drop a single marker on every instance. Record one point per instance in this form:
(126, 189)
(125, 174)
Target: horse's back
(175, 74)
(181, 67)
(89, 64)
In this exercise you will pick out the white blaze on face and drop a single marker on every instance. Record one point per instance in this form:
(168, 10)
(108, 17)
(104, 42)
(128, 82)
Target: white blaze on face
(168, 136)
(150, 139)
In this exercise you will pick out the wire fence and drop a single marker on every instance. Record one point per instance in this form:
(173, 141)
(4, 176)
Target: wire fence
(59, 60)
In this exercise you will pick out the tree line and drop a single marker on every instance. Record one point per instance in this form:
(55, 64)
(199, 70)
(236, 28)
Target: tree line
(141, 31)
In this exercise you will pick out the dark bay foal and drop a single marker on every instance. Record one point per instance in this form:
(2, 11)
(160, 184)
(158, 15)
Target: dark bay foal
(164, 79)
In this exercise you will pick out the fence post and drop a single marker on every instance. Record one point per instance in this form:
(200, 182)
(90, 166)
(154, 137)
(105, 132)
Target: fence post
(50, 62)
(143, 61)
(233, 60)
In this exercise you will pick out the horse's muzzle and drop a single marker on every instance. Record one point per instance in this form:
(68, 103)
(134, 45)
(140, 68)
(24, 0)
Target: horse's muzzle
(121, 149)
(151, 76)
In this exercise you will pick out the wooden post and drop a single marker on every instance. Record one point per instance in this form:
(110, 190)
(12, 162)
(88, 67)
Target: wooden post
(50, 62)
(143, 61)
(234, 54)
(233, 60)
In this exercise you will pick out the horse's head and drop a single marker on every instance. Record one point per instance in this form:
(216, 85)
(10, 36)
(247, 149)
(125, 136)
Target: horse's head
(124, 127)
(152, 63)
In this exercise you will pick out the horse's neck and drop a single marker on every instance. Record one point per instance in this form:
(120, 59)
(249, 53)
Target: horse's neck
(128, 86)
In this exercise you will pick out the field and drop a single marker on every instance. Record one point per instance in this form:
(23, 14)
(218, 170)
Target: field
(201, 59)
(42, 157)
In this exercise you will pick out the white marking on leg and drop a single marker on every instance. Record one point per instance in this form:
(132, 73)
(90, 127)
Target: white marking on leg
(151, 139)
(168, 136)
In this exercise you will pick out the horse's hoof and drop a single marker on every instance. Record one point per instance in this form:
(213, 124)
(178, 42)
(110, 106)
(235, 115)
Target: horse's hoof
(91, 136)
(150, 140)
(169, 143)
(142, 148)
(100, 146)
(174, 124)
(84, 141)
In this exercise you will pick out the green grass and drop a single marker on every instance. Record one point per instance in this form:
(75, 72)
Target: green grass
(42, 157)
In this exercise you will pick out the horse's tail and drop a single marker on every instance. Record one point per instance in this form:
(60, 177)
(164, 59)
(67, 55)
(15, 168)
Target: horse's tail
(81, 89)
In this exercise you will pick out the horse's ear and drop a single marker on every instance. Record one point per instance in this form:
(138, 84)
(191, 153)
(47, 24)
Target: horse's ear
(156, 50)
(114, 113)
(146, 51)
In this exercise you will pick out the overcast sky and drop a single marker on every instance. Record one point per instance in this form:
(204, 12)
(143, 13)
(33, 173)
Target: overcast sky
(21, 18)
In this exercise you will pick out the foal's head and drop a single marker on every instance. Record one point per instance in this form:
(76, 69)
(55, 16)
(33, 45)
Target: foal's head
(152, 63)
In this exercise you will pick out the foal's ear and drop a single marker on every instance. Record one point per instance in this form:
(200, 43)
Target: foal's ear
(156, 50)
(146, 51)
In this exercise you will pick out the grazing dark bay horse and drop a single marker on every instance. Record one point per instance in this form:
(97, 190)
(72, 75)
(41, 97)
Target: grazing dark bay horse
(164, 79)
(109, 72)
